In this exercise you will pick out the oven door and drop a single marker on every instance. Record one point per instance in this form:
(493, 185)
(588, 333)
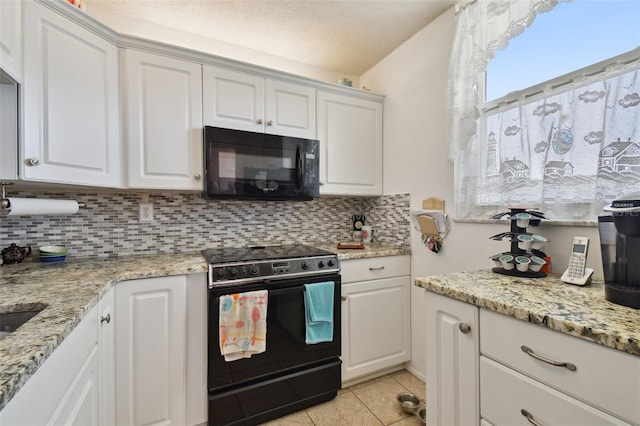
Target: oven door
(286, 350)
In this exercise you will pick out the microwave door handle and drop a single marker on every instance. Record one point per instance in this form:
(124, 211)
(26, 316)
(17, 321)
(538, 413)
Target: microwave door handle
(299, 167)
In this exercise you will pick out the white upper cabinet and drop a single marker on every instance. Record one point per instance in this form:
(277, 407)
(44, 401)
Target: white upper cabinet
(350, 134)
(11, 37)
(163, 121)
(250, 102)
(290, 109)
(71, 111)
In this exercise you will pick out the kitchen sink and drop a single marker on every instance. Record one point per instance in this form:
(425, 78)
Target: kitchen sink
(9, 322)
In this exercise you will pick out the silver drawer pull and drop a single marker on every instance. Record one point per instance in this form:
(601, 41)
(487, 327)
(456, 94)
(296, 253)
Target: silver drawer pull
(530, 417)
(379, 268)
(569, 366)
(464, 327)
(106, 319)
(343, 298)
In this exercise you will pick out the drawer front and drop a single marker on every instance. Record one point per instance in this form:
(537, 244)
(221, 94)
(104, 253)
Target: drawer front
(375, 268)
(603, 377)
(505, 393)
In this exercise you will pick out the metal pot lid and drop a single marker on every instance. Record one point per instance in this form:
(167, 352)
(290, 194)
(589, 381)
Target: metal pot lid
(626, 203)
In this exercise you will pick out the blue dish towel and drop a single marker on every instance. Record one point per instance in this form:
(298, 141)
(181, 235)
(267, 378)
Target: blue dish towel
(318, 307)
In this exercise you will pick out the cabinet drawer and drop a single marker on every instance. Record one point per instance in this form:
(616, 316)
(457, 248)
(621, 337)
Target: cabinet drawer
(505, 393)
(603, 377)
(375, 268)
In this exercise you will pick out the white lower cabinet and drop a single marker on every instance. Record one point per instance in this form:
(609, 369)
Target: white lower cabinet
(375, 316)
(66, 389)
(527, 374)
(452, 362)
(152, 351)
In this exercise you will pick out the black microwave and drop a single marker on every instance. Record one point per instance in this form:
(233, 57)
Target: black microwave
(257, 166)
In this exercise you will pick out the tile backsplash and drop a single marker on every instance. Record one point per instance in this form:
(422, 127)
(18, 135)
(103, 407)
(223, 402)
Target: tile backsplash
(109, 225)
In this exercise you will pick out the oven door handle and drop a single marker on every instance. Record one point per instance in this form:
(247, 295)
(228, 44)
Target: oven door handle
(275, 292)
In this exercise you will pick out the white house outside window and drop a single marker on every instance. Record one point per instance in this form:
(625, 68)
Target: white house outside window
(567, 146)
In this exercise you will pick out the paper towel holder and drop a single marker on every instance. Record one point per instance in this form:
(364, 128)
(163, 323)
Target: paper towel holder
(4, 201)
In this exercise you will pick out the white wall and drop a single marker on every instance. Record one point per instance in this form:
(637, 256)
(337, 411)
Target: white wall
(414, 80)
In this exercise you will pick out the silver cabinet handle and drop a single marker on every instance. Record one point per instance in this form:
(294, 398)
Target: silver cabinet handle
(530, 417)
(379, 268)
(343, 298)
(269, 123)
(321, 183)
(33, 161)
(464, 327)
(196, 176)
(106, 318)
(569, 366)
(259, 121)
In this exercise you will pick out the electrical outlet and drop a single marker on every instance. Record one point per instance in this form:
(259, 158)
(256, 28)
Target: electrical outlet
(146, 212)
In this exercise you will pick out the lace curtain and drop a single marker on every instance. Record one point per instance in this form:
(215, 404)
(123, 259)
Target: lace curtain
(568, 150)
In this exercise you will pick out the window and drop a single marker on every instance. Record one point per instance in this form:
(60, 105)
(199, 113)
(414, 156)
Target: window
(552, 136)
(570, 37)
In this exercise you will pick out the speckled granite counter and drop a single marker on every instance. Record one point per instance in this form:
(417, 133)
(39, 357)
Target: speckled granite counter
(574, 310)
(369, 250)
(66, 292)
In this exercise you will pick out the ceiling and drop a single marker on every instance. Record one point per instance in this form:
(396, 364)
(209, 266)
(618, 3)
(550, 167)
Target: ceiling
(345, 36)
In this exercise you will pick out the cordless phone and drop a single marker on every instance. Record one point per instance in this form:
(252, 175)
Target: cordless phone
(577, 272)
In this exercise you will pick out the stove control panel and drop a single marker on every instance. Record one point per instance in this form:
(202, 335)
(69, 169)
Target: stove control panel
(243, 272)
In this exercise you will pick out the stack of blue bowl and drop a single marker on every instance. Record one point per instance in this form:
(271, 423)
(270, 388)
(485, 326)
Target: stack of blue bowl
(52, 253)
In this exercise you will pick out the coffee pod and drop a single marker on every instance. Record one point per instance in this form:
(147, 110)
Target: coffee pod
(522, 219)
(522, 263)
(536, 263)
(524, 241)
(507, 262)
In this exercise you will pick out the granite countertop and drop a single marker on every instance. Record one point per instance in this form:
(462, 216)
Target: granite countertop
(369, 250)
(578, 311)
(67, 291)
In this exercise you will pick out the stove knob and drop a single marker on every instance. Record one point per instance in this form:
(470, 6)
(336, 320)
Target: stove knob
(321, 264)
(233, 271)
(330, 263)
(253, 269)
(306, 265)
(220, 272)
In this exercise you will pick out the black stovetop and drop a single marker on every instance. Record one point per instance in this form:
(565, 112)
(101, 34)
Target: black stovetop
(257, 253)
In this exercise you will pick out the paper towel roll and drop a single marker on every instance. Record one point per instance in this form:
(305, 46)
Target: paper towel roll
(35, 206)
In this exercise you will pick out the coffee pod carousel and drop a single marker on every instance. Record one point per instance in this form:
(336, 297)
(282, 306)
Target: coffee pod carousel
(525, 259)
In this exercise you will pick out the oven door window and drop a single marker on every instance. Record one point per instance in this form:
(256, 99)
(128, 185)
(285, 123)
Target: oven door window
(286, 349)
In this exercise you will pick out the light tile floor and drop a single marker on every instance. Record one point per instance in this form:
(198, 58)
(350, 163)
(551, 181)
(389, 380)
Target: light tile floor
(371, 403)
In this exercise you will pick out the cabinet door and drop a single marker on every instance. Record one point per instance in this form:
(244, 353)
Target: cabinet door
(452, 362)
(150, 351)
(71, 123)
(106, 358)
(375, 326)
(11, 37)
(350, 134)
(64, 390)
(164, 121)
(506, 393)
(290, 109)
(233, 100)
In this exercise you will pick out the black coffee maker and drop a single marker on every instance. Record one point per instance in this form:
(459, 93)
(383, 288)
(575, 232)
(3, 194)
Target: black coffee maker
(620, 246)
